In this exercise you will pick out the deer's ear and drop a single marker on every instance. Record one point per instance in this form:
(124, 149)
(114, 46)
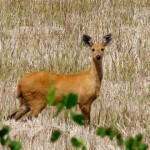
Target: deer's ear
(87, 40)
(107, 39)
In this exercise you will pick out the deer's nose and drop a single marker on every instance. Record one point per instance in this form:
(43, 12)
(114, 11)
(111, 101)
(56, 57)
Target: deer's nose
(98, 57)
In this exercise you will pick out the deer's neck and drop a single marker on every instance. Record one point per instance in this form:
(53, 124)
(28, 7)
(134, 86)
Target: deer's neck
(97, 73)
(97, 70)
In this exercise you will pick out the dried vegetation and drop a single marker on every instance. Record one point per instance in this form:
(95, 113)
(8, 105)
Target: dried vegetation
(46, 35)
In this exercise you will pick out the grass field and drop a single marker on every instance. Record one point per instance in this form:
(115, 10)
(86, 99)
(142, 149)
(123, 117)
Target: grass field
(45, 35)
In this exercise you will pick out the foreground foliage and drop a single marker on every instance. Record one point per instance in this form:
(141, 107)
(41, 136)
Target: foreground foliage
(69, 102)
(129, 143)
(5, 139)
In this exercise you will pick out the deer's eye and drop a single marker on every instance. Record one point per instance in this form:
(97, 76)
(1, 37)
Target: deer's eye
(93, 49)
(102, 49)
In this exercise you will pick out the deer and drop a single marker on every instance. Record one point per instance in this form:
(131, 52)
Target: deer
(32, 89)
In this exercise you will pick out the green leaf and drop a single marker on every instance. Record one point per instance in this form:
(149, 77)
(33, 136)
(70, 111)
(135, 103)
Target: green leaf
(4, 140)
(120, 142)
(76, 142)
(55, 135)
(136, 141)
(143, 146)
(70, 100)
(78, 118)
(101, 131)
(129, 143)
(138, 138)
(4, 131)
(108, 131)
(112, 134)
(119, 139)
(84, 147)
(59, 107)
(51, 96)
(15, 145)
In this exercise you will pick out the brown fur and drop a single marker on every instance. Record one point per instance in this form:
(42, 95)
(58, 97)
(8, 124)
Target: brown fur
(33, 88)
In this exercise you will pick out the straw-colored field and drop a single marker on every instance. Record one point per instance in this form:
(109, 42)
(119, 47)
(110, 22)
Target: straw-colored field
(45, 35)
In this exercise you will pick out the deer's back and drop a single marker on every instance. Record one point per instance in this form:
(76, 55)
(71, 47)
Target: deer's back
(36, 85)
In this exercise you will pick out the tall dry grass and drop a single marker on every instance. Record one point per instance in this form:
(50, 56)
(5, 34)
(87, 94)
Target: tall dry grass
(46, 35)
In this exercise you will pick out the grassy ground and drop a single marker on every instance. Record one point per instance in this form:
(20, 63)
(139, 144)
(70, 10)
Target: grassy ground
(46, 36)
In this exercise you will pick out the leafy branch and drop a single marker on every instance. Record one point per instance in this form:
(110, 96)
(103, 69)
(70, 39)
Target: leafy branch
(129, 143)
(67, 103)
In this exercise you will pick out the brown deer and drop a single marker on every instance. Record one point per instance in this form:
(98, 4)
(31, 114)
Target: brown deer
(33, 88)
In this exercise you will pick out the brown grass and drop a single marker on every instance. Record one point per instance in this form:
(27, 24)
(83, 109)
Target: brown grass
(46, 35)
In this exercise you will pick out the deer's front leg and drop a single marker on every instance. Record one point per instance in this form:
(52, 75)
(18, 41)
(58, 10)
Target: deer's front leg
(86, 109)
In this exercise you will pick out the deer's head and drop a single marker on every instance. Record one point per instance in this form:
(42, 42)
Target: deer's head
(97, 48)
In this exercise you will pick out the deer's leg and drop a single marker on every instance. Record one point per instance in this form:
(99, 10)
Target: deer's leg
(86, 109)
(12, 115)
(23, 109)
(19, 113)
(36, 107)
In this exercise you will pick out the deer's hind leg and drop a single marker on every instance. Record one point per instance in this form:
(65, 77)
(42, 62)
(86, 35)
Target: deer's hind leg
(20, 113)
(36, 106)
(23, 109)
